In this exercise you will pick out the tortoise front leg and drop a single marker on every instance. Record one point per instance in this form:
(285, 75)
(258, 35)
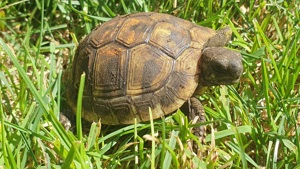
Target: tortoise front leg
(197, 115)
(195, 112)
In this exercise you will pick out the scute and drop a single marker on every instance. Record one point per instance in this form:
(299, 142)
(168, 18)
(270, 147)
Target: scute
(177, 22)
(169, 38)
(200, 35)
(188, 62)
(109, 70)
(148, 69)
(134, 31)
(80, 65)
(106, 32)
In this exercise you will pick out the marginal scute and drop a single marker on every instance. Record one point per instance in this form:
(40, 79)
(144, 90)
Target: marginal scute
(103, 113)
(168, 101)
(142, 103)
(183, 86)
(122, 109)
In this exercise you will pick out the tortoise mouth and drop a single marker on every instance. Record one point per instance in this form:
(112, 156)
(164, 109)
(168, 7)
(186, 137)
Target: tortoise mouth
(219, 81)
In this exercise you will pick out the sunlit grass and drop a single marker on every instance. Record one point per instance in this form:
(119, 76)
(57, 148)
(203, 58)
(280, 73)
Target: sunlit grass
(252, 124)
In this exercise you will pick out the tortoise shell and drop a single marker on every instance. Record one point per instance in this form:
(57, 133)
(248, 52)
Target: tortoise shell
(136, 62)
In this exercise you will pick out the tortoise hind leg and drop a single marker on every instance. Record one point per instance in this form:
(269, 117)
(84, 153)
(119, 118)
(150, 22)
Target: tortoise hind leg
(195, 112)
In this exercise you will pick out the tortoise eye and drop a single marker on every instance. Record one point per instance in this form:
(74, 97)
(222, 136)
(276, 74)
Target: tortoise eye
(218, 68)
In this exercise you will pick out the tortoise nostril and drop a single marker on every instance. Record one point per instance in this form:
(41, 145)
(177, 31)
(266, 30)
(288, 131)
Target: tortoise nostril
(235, 69)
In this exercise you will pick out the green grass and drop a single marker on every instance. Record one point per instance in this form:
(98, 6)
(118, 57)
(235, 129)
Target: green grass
(253, 124)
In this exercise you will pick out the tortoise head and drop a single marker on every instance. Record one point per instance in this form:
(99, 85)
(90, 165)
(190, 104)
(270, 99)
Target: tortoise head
(220, 66)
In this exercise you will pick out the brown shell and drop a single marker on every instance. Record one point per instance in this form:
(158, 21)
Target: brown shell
(137, 61)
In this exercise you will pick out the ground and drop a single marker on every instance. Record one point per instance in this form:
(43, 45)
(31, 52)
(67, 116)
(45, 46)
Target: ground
(254, 123)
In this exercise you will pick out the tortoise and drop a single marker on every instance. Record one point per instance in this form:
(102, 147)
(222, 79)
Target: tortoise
(149, 60)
